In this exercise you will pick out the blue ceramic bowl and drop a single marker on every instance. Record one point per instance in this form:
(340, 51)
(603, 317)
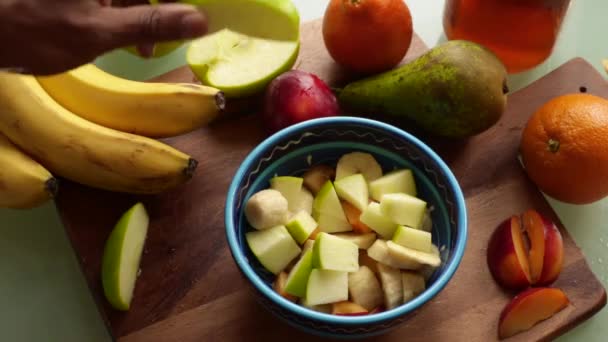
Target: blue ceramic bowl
(289, 152)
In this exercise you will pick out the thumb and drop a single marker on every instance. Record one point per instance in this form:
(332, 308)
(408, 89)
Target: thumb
(149, 24)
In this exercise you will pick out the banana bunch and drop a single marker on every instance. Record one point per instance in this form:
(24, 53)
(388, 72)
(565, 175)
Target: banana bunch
(95, 129)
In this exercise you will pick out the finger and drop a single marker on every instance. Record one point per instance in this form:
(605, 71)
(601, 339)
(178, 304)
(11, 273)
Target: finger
(149, 24)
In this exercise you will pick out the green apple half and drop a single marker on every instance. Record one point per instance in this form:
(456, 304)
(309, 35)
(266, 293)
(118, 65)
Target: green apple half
(250, 43)
(122, 255)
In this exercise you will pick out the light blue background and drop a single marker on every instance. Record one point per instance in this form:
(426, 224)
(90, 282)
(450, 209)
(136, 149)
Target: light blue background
(44, 296)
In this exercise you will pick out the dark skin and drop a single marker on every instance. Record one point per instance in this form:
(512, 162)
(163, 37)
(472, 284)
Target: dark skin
(40, 38)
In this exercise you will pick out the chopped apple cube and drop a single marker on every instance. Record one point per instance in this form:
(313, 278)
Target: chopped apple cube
(273, 247)
(399, 181)
(301, 225)
(413, 285)
(279, 287)
(331, 224)
(302, 202)
(325, 287)
(363, 241)
(289, 187)
(364, 288)
(373, 217)
(403, 209)
(413, 238)
(353, 189)
(417, 259)
(328, 211)
(392, 285)
(336, 254)
(298, 276)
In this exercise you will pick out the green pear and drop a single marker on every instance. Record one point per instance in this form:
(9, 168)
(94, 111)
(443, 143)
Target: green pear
(122, 256)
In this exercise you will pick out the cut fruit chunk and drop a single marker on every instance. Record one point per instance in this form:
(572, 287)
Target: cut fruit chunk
(279, 287)
(364, 288)
(413, 238)
(332, 253)
(363, 241)
(507, 256)
(122, 256)
(325, 287)
(358, 162)
(348, 309)
(403, 209)
(353, 189)
(301, 226)
(324, 308)
(392, 286)
(373, 217)
(274, 248)
(404, 255)
(303, 202)
(379, 252)
(427, 221)
(366, 260)
(427, 271)
(399, 181)
(353, 215)
(535, 229)
(413, 285)
(289, 187)
(266, 209)
(529, 308)
(317, 176)
(308, 245)
(314, 234)
(298, 276)
(328, 212)
(554, 254)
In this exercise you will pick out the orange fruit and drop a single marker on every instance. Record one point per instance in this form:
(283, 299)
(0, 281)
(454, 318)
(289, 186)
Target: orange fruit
(564, 148)
(367, 36)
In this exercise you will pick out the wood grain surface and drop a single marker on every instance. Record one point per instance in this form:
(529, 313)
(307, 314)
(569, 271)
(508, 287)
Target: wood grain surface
(190, 289)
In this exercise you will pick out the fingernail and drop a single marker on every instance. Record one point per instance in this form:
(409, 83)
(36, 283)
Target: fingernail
(193, 25)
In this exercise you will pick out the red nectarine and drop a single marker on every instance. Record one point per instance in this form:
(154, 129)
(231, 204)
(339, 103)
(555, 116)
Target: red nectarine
(529, 308)
(554, 253)
(507, 256)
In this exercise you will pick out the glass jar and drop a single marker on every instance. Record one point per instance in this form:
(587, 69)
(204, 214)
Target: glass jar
(522, 33)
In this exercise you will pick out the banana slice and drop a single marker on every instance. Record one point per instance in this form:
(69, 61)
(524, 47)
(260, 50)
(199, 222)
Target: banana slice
(266, 209)
(358, 162)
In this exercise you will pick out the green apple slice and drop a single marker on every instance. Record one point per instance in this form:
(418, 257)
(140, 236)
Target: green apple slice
(392, 286)
(403, 209)
(325, 287)
(413, 285)
(308, 245)
(364, 288)
(407, 255)
(237, 64)
(332, 253)
(328, 211)
(373, 217)
(122, 255)
(353, 189)
(302, 202)
(413, 238)
(400, 181)
(298, 276)
(301, 226)
(363, 241)
(379, 252)
(273, 247)
(289, 187)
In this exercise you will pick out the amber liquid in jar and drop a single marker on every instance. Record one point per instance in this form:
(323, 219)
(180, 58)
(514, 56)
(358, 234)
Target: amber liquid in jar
(521, 33)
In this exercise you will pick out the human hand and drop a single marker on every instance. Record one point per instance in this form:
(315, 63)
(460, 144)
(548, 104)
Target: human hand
(45, 39)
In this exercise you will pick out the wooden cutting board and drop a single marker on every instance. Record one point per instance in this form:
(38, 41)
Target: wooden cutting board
(190, 290)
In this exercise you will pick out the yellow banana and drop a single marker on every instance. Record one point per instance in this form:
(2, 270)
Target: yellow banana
(150, 109)
(82, 151)
(24, 183)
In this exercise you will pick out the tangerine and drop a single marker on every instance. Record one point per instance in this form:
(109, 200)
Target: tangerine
(367, 36)
(564, 148)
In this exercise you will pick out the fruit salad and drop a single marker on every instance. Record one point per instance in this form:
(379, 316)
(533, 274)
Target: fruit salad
(350, 240)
